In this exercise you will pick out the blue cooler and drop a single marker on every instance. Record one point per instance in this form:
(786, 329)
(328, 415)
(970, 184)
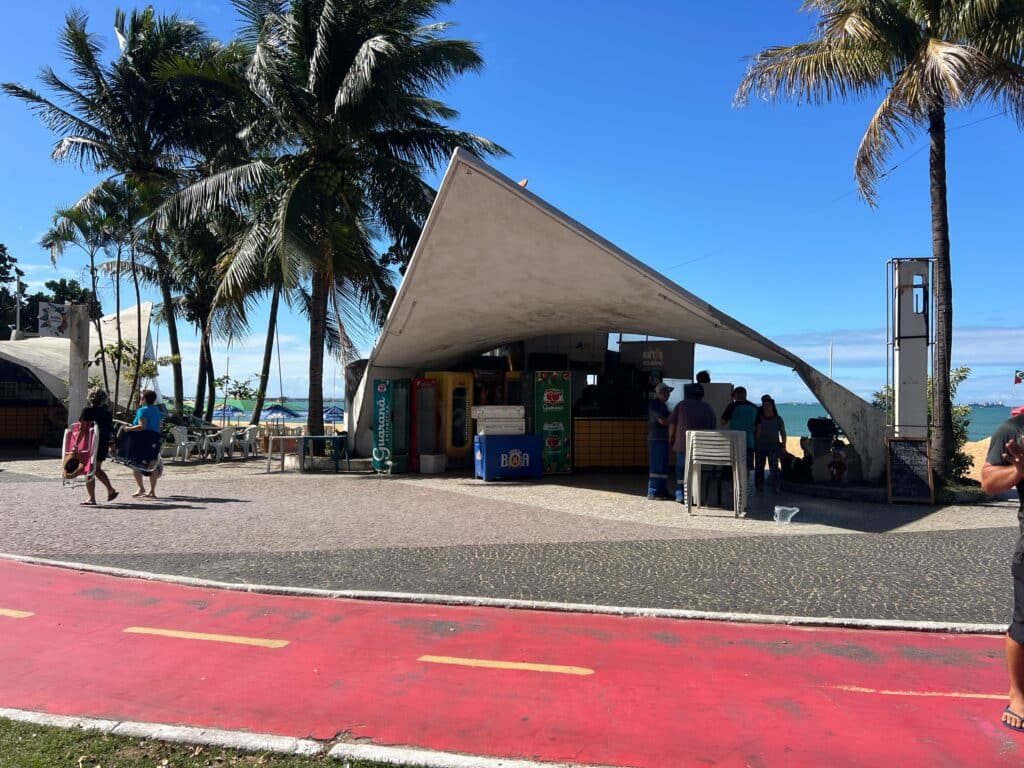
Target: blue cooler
(507, 457)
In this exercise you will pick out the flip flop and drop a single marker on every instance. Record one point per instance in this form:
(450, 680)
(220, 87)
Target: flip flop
(113, 496)
(138, 494)
(1018, 728)
(87, 504)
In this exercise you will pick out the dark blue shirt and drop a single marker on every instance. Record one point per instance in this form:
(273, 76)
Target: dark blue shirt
(657, 410)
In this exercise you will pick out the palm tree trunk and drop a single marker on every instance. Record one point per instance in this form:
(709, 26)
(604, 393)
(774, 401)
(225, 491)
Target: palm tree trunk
(139, 351)
(119, 357)
(211, 384)
(317, 321)
(268, 356)
(199, 402)
(99, 320)
(164, 277)
(942, 410)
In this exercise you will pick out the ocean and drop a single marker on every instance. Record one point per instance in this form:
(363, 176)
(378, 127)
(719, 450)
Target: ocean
(984, 418)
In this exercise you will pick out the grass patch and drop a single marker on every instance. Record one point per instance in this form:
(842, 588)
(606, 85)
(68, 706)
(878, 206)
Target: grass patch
(26, 745)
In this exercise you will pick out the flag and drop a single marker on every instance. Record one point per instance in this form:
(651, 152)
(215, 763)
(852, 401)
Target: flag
(1018, 377)
(53, 319)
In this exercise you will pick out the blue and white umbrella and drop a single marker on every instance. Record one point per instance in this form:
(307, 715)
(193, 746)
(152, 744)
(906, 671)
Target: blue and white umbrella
(279, 411)
(334, 413)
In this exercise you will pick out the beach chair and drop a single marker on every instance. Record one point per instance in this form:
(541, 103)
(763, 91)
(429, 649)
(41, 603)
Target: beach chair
(78, 452)
(183, 444)
(245, 441)
(140, 451)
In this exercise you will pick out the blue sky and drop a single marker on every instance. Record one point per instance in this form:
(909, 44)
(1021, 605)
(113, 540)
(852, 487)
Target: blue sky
(622, 117)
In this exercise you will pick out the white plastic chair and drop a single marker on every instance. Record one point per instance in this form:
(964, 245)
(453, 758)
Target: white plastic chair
(183, 445)
(219, 443)
(245, 441)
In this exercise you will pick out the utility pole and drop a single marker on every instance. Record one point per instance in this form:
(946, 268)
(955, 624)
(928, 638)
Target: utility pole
(78, 358)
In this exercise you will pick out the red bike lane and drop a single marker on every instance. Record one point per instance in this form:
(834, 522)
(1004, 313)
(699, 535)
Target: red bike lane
(545, 686)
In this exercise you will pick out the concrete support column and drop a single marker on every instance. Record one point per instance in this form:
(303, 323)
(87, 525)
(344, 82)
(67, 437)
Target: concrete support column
(78, 372)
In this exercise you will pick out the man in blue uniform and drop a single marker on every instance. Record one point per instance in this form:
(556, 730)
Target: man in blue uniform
(657, 443)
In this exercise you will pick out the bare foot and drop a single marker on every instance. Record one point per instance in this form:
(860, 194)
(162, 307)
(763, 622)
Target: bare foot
(139, 494)
(150, 495)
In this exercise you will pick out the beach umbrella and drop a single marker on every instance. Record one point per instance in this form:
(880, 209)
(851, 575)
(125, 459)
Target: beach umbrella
(280, 411)
(226, 410)
(334, 413)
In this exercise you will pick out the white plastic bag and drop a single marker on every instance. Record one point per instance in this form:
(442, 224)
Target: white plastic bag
(784, 514)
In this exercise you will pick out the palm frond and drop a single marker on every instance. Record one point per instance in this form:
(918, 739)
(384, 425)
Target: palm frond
(225, 189)
(359, 77)
(816, 72)
(891, 123)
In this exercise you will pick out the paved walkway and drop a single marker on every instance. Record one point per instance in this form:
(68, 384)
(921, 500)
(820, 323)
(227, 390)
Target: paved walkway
(581, 539)
(571, 688)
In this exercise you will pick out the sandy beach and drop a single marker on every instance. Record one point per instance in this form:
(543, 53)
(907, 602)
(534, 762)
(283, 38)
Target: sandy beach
(975, 450)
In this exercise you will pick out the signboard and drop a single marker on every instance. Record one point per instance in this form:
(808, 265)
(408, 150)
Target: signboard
(909, 466)
(673, 359)
(383, 425)
(552, 419)
(53, 319)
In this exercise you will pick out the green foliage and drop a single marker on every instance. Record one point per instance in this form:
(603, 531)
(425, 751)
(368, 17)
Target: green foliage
(960, 462)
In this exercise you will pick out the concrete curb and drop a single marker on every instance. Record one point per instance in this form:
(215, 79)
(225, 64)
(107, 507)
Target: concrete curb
(286, 745)
(421, 757)
(536, 605)
(181, 734)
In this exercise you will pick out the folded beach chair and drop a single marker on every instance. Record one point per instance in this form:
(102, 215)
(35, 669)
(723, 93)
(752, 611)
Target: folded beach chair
(138, 451)
(78, 453)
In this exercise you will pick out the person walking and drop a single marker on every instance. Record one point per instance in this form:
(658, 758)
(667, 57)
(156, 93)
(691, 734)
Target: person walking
(97, 410)
(769, 442)
(657, 443)
(690, 413)
(1004, 469)
(147, 420)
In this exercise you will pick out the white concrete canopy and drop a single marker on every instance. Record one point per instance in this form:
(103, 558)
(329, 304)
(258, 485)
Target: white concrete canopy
(496, 264)
(47, 357)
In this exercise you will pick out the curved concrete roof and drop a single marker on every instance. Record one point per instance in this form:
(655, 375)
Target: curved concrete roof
(497, 264)
(47, 357)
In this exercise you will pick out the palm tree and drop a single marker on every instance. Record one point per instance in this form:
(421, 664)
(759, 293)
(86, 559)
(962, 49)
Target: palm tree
(343, 86)
(88, 229)
(926, 57)
(122, 119)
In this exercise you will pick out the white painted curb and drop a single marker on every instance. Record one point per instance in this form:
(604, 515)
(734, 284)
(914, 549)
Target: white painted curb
(535, 605)
(181, 734)
(262, 742)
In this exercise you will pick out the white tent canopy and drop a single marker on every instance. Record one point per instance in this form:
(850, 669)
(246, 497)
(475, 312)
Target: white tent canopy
(496, 264)
(48, 357)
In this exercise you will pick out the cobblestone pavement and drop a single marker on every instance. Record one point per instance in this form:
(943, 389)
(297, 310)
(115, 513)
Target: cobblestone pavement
(584, 538)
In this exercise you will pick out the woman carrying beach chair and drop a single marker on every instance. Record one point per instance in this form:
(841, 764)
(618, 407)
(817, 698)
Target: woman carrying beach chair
(86, 446)
(141, 443)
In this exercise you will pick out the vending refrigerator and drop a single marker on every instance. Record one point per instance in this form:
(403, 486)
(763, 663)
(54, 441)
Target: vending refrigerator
(548, 396)
(426, 421)
(455, 397)
(390, 425)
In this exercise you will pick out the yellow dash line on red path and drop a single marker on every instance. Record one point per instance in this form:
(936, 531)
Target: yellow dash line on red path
(495, 664)
(236, 639)
(942, 694)
(10, 613)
